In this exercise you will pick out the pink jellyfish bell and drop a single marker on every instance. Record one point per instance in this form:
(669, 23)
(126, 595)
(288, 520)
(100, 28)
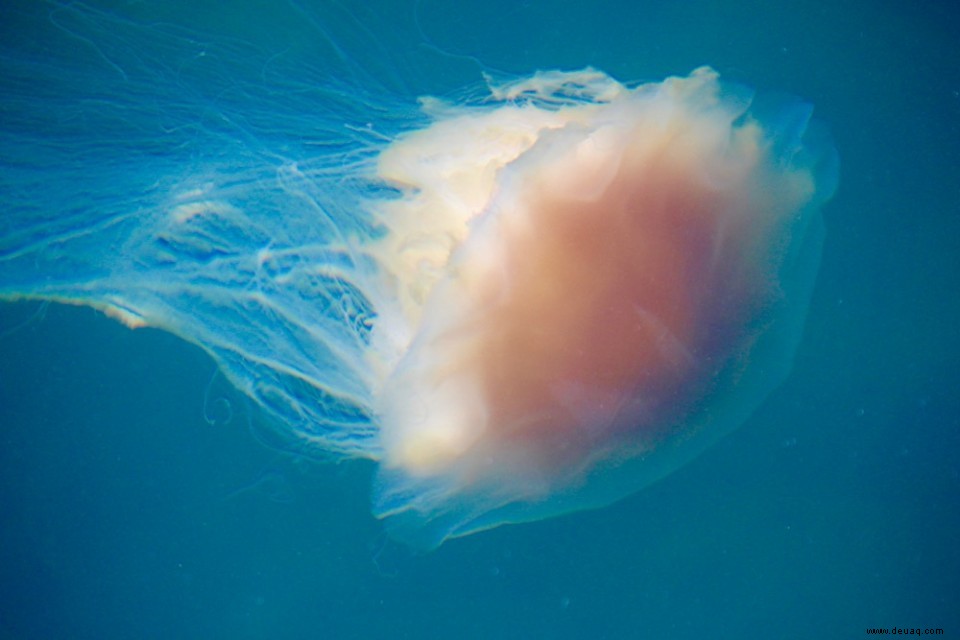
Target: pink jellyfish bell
(588, 285)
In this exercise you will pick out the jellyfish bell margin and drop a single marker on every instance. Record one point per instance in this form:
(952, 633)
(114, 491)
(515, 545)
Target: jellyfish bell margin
(520, 306)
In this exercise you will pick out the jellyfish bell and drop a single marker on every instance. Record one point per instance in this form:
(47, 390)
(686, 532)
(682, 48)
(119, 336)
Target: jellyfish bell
(522, 304)
(615, 284)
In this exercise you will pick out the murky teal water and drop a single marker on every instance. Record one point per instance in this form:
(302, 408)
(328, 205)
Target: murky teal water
(137, 502)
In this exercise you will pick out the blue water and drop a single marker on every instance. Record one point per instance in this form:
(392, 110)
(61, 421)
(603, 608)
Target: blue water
(138, 499)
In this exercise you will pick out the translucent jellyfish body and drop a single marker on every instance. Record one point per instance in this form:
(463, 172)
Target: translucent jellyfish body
(592, 283)
(529, 304)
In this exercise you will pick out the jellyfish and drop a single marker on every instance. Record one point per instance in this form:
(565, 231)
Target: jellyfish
(534, 298)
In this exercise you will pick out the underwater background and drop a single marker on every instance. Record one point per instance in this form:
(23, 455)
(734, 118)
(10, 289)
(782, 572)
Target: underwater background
(136, 500)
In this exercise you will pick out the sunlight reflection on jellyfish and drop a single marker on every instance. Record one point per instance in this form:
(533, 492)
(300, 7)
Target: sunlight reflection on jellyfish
(533, 299)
